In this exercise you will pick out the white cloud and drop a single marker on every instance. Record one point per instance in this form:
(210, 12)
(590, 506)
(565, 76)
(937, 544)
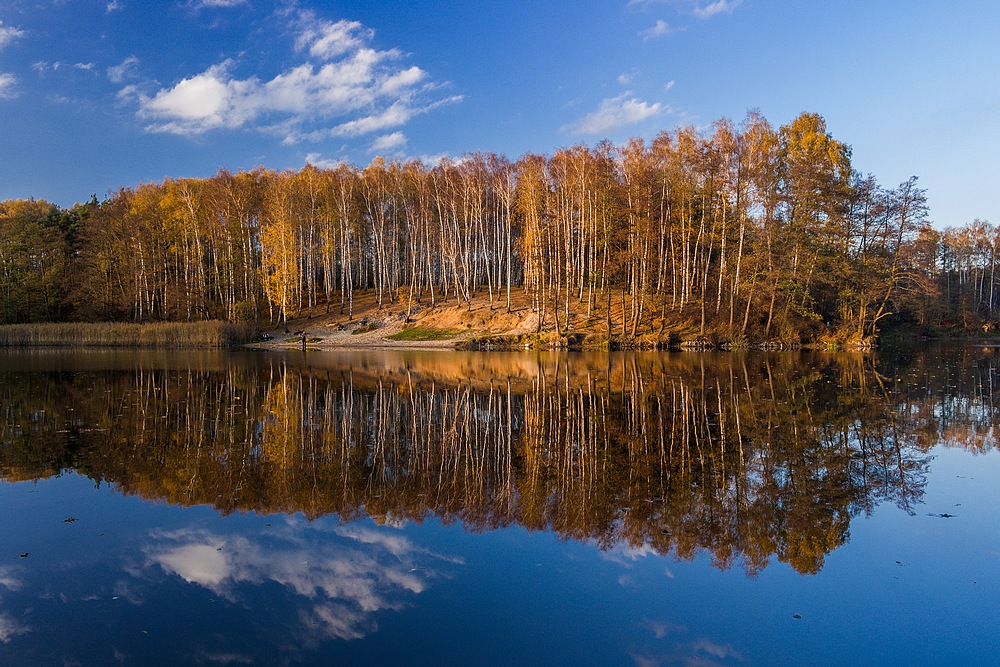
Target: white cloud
(626, 555)
(659, 29)
(113, 6)
(345, 88)
(10, 628)
(203, 564)
(720, 651)
(614, 113)
(398, 114)
(669, 84)
(699, 8)
(124, 70)
(203, 102)
(388, 142)
(626, 78)
(328, 39)
(317, 160)
(402, 80)
(220, 4)
(438, 159)
(7, 83)
(129, 95)
(717, 7)
(8, 581)
(340, 583)
(43, 66)
(8, 34)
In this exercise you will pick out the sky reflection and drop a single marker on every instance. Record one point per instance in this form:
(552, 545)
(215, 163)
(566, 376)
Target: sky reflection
(439, 521)
(342, 580)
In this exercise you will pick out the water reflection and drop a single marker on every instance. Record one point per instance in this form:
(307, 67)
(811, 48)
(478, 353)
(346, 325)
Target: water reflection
(746, 458)
(203, 592)
(346, 579)
(9, 626)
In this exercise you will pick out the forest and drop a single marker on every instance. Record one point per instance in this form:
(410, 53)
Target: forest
(741, 232)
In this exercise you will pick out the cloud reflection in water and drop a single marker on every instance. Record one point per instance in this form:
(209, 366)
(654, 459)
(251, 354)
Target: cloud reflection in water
(343, 576)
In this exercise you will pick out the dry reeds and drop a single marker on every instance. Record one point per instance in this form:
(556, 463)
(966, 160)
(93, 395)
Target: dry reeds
(210, 334)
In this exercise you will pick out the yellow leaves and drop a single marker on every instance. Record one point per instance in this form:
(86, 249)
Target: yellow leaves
(278, 236)
(25, 209)
(809, 146)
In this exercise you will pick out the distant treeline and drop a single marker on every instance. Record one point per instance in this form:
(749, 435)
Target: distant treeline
(742, 231)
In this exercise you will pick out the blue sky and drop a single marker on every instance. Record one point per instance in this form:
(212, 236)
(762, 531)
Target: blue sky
(95, 95)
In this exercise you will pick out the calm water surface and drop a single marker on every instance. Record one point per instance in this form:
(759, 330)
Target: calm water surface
(442, 508)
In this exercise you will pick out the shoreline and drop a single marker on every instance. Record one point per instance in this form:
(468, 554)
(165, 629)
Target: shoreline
(446, 325)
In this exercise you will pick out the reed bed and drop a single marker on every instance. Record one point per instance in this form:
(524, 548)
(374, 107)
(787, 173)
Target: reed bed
(210, 334)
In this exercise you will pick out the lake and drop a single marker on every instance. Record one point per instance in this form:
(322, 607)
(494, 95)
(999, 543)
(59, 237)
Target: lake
(450, 508)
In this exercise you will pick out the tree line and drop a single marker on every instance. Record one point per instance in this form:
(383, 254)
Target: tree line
(742, 231)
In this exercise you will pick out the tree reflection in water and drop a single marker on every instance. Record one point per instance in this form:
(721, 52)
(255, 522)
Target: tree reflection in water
(744, 457)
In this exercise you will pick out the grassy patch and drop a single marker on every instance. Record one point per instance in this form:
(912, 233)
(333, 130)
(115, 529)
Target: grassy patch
(425, 333)
(121, 334)
(365, 327)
